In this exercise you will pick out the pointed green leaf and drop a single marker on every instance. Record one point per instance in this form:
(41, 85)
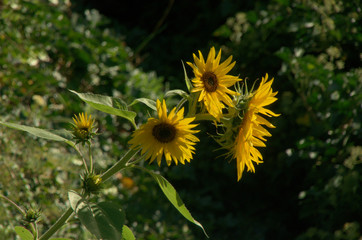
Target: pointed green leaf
(108, 104)
(24, 233)
(113, 212)
(39, 132)
(176, 92)
(104, 220)
(148, 102)
(173, 197)
(74, 199)
(127, 233)
(187, 80)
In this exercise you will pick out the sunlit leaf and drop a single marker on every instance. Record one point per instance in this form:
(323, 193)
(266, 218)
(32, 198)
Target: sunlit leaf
(176, 92)
(172, 195)
(187, 80)
(127, 233)
(39, 132)
(108, 104)
(148, 102)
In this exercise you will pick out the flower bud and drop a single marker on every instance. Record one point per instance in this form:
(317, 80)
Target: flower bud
(91, 183)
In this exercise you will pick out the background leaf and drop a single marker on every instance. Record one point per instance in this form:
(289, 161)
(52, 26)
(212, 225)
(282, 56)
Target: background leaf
(24, 233)
(60, 239)
(127, 233)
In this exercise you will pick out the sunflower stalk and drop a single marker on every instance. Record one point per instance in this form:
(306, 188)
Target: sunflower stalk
(90, 157)
(121, 164)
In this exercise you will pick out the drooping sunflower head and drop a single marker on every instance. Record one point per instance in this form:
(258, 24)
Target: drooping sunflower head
(83, 127)
(251, 132)
(170, 135)
(212, 81)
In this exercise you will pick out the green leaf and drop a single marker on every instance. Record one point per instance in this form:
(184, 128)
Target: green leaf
(173, 197)
(60, 239)
(127, 233)
(104, 220)
(39, 132)
(74, 199)
(187, 80)
(108, 104)
(176, 92)
(148, 102)
(113, 212)
(24, 233)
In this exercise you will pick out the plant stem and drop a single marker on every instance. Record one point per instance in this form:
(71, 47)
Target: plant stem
(119, 165)
(90, 157)
(34, 229)
(109, 173)
(14, 204)
(81, 155)
(130, 163)
(57, 225)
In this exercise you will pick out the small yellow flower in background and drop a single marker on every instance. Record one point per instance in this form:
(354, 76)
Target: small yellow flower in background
(251, 133)
(83, 127)
(170, 135)
(212, 81)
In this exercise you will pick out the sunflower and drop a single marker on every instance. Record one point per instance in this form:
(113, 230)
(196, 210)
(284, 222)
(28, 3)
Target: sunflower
(170, 135)
(251, 132)
(212, 82)
(83, 128)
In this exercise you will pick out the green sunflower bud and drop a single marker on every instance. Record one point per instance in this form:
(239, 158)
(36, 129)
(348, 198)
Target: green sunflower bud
(91, 183)
(32, 215)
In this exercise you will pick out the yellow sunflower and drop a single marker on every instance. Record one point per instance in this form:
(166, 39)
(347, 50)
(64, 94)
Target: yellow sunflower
(251, 132)
(212, 81)
(83, 127)
(170, 135)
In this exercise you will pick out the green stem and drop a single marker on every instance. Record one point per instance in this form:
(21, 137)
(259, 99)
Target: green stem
(131, 163)
(179, 105)
(81, 155)
(119, 165)
(57, 225)
(14, 204)
(90, 157)
(34, 229)
(193, 99)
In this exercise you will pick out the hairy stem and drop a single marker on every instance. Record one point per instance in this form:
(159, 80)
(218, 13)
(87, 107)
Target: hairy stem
(119, 165)
(57, 225)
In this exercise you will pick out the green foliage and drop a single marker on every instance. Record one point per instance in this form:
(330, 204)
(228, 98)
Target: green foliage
(173, 197)
(127, 233)
(23, 233)
(104, 219)
(109, 105)
(310, 184)
(46, 49)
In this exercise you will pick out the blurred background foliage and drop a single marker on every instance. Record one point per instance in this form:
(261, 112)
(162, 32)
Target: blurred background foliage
(309, 186)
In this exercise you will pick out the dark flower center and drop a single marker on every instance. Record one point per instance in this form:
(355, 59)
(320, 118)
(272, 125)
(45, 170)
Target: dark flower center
(210, 81)
(164, 132)
(84, 129)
